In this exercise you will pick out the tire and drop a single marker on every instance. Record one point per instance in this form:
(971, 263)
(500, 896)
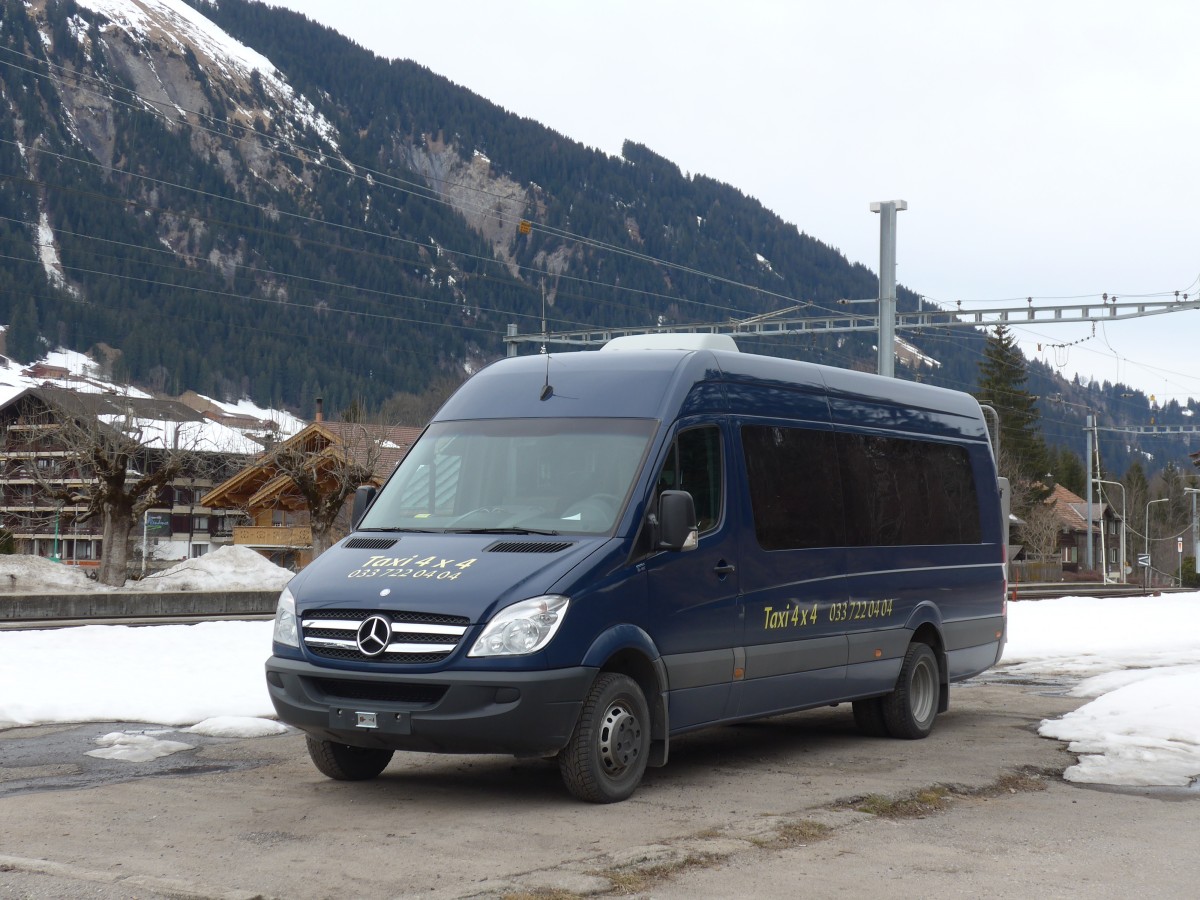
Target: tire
(868, 717)
(606, 756)
(910, 709)
(345, 763)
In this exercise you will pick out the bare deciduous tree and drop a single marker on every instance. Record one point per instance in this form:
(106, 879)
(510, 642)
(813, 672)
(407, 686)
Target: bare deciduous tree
(1040, 532)
(106, 468)
(325, 475)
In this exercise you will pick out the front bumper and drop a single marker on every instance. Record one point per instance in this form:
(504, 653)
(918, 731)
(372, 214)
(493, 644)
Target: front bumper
(519, 713)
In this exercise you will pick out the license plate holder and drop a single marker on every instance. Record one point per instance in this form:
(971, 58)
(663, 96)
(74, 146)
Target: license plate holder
(369, 720)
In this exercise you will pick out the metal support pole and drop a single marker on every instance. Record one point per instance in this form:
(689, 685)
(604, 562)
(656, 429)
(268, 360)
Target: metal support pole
(512, 345)
(1090, 464)
(1146, 568)
(1195, 527)
(1122, 487)
(887, 210)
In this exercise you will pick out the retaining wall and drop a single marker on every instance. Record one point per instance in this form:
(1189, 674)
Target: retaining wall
(125, 604)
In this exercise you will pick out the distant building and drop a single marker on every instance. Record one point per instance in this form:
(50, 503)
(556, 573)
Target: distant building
(1073, 530)
(278, 521)
(32, 458)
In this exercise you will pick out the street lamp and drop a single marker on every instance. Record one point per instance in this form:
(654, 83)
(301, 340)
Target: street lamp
(1105, 563)
(1146, 568)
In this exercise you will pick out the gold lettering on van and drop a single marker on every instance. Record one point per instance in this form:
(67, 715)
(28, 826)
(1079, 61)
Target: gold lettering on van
(435, 568)
(791, 616)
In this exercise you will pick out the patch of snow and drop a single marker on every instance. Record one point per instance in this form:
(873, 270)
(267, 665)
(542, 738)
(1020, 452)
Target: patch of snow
(237, 727)
(136, 746)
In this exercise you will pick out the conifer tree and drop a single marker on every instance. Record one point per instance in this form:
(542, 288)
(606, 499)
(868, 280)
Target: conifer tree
(1002, 378)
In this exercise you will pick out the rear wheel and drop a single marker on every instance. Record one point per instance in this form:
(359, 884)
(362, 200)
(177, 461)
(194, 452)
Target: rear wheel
(345, 763)
(606, 757)
(909, 710)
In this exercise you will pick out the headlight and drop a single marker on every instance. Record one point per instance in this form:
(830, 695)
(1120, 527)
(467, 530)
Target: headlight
(524, 627)
(286, 631)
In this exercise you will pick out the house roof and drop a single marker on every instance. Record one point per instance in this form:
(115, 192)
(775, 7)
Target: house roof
(155, 423)
(260, 483)
(1071, 509)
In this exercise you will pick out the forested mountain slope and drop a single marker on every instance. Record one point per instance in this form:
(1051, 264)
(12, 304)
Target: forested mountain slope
(242, 202)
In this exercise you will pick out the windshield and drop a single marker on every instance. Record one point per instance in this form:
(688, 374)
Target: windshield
(551, 476)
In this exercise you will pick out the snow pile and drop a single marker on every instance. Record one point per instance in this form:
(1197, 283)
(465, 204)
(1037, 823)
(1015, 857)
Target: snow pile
(34, 575)
(229, 568)
(1146, 733)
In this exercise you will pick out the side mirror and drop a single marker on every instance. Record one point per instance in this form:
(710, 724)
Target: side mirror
(362, 500)
(677, 521)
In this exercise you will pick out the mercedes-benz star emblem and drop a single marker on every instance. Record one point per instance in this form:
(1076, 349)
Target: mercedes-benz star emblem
(374, 635)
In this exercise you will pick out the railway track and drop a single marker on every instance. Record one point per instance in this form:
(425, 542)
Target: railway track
(1034, 591)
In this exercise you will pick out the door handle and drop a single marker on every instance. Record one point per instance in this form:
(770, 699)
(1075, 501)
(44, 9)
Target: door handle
(723, 568)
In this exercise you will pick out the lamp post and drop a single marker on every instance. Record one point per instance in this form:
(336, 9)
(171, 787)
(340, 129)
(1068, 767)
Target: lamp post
(1146, 568)
(1122, 487)
(1195, 528)
(57, 516)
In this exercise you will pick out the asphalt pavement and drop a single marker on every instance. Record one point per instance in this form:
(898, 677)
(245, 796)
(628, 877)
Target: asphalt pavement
(798, 804)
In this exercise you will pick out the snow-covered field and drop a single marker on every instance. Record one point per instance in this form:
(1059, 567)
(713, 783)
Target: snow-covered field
(1139, 658)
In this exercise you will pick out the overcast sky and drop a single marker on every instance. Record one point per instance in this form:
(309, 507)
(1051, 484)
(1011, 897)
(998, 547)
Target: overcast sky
(1044, 149)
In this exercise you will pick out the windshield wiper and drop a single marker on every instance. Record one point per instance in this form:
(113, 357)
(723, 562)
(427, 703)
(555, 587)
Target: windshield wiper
(401, 528)
(508, 530)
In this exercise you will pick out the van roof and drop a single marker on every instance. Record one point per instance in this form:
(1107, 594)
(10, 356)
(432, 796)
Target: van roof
(665, 383)
(672, 341)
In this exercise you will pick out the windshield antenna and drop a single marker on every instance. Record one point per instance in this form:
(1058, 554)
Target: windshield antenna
(547, 388)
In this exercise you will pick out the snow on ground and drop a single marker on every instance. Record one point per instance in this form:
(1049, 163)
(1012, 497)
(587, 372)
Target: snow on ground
(1138, 657)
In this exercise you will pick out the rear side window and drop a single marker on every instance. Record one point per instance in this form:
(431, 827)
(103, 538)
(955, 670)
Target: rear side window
(795, 490)
(812, 488)
(901, 491)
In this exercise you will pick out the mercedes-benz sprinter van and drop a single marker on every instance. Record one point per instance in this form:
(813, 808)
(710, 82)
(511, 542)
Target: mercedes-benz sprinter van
(587, 554)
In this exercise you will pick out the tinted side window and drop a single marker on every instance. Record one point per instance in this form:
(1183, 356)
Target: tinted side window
(795, 491)
(694, 465)
(901, 491)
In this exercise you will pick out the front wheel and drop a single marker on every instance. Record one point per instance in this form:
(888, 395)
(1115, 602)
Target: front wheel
(909, 710)
(345, 763)
(606, 756)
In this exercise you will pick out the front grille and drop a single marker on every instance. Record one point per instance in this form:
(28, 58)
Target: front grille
(413, 637)
(383, 692)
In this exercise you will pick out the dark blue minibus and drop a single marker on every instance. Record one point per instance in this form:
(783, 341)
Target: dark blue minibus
(586, 554)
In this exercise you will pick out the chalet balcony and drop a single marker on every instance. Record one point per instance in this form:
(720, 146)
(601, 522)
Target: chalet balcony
(267, 536)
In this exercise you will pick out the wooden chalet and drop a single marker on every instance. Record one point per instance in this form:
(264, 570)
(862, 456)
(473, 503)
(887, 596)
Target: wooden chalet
(279, 526)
